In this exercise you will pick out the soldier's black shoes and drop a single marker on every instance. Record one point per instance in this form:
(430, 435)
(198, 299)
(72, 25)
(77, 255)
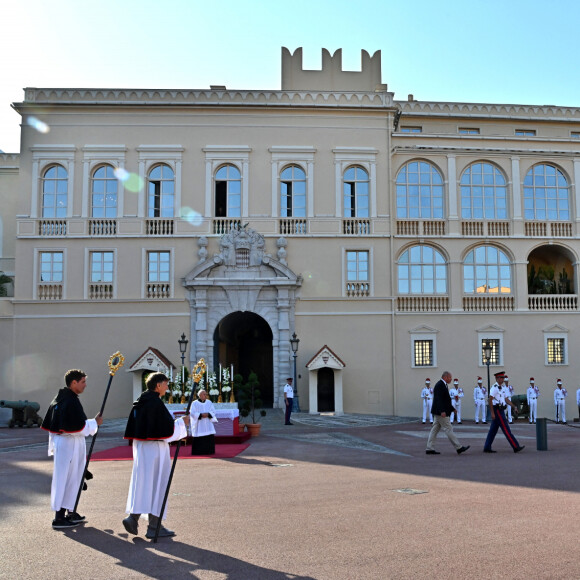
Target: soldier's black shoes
(462, 449)
(489, 451)
(518, 449)
(432, 452)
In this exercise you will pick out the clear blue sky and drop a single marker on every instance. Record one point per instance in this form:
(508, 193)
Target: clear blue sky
(496, 51)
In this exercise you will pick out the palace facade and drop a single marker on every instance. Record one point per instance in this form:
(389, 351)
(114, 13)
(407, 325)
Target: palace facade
(394, 237)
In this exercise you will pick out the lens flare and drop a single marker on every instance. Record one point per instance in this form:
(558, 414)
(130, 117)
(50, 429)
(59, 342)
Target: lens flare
(131, 181)
(190, 215)
(37, 124)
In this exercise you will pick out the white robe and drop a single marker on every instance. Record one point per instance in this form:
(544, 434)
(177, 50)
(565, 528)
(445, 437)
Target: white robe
(151, 468)
(202, 427)
(70, 456)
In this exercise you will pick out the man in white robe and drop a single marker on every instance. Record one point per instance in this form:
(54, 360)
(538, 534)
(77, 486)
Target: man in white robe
(68, 427)
(203, 416)
(152, 428)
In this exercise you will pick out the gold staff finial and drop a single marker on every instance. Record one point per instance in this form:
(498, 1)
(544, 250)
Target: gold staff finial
(115, 363)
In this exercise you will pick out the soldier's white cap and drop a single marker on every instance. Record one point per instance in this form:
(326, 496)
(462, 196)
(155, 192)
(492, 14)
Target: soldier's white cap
(479, 380)
(559, 381)
(455, 381)
(427, 380)
(531, 379)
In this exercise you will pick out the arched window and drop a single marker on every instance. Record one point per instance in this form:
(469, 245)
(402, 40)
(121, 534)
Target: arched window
(422, 270)
(486, 270)
(161, 192)
(356, 192)
(104, 193)
(228, 192)
(546, 194)
(483, 193)
(419, 191)
(54, 192)
(293, 192)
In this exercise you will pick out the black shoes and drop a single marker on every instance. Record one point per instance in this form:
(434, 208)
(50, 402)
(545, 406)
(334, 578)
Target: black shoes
(462, 449)
(75, 518)
(518, 449)
(432, 452)
(288, 423)
(131, 525)
(489, 451)
(163, 532)
(63, 524)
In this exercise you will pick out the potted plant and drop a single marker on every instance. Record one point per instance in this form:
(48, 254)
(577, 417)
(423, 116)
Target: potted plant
(250, 403)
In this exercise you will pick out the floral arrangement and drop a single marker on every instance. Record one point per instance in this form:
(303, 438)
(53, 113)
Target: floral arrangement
(212, 384)
(226, 388)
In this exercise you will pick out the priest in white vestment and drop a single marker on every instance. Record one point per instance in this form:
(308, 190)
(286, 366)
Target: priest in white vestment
(203, 416)
(152, 428)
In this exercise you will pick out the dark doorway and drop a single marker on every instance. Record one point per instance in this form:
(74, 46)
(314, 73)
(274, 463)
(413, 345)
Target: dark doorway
(244, 339)
(325, 390)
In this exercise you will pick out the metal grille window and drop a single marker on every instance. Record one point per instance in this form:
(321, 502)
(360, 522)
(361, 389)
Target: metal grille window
(161, 192)
(293, 192)
(423, 353)
(158, 266)
(419, 191)
(51, 267)
(104, 193)
(495, 352)
(102, 267)
(546, 194)
(556, 351)
(483, 193)
(356, 192)
(54, 192)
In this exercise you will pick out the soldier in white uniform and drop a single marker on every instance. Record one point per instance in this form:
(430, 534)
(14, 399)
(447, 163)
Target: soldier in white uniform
(578, 401)
(479, 397)
(456, 393)
(532, 395)
(560, 402)
(427, 397)
(510, 392)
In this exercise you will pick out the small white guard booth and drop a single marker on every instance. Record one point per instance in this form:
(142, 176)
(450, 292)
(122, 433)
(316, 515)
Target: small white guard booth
(325, 382)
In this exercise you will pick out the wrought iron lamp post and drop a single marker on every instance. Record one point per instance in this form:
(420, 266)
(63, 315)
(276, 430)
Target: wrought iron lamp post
(182, 349)
(294, 345)
(487, 349)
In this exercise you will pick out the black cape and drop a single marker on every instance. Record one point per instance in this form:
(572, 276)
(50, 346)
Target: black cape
(149, 419)
(65, 413)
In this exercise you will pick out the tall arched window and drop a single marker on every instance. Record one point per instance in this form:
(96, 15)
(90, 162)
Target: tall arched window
(54, 192)
(546, 194)
(161, 192)
(483, 193)
(422, 270)
(356, 192)
(228, 192)
(419, 191)
(486, 270)
(293, 192)
(104, 193)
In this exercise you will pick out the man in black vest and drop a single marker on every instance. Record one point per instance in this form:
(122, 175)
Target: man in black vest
(441, 411)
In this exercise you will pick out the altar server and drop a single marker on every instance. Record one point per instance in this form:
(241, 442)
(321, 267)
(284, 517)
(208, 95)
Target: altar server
(202, 429)
(480, 399)
(532, 394)
(68, 426)
(560, 401)
(152, 428)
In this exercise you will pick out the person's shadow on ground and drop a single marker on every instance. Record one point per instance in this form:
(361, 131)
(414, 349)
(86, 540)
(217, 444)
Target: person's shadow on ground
(169, 558)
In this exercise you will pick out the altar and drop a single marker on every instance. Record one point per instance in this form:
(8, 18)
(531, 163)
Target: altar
(227, 414)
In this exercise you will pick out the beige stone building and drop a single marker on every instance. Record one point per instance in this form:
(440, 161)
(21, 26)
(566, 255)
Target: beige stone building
(394, 237)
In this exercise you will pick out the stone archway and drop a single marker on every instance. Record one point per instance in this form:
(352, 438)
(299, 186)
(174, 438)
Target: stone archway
(242, 278)
(244, 340)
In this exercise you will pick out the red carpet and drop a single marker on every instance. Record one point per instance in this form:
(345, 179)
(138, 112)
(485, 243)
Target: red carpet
(125, 452)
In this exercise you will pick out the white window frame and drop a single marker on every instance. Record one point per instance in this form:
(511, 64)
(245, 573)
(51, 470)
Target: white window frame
(468, 130)
(418, 335)
(365, 157)
(36, 271)
(410, 129)
(370, 281)
(145, 265)
(555, 335)
(87, 269)
(282, 157)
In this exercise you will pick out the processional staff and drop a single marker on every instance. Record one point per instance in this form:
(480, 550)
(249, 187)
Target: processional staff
(115, 363)
(196, 374)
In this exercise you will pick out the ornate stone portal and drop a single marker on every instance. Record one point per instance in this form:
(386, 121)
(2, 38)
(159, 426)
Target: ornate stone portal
(243, 278)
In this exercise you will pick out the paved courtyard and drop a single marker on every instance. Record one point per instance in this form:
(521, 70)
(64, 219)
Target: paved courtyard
(351, 497)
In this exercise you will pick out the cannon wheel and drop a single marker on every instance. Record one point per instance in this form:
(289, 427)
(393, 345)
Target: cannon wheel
(29, 423)
(11, 423)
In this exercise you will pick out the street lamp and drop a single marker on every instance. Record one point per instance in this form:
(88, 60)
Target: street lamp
(294, 345)
(487, 348)
(183, 348)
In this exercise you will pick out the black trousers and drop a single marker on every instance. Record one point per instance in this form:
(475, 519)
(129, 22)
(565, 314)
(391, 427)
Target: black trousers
(288, 409)
(203, 445)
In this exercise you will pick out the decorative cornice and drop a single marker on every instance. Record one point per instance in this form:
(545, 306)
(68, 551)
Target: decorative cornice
(488, 111)
(133, 97)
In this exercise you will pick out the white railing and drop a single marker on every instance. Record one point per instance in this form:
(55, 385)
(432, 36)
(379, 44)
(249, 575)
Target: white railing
(293, 226)
(158, 290)
(422, 303)
(159, 227)
(225, 225)
(52, 228)
(357, 289)
(488, 303)
(561, 229)
(553, 302)
(49, 291)
(102, 227)
(356, 227)
(100, 291)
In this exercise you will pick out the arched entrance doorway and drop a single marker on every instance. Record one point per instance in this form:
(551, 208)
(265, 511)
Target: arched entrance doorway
(325, 390)
(244, 339)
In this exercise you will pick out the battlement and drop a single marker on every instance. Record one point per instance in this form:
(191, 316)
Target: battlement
(331, 78)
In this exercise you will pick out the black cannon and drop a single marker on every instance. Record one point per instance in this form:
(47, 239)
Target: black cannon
(521, 402)
(23, 413)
